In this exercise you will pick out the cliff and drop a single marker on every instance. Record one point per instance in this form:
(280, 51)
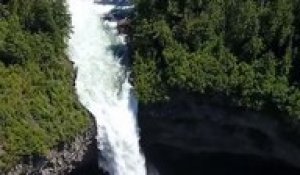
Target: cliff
(188, 133)
(68, 158)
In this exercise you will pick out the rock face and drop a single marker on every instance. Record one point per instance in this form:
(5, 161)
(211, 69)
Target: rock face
(70, 158)
(196, 133)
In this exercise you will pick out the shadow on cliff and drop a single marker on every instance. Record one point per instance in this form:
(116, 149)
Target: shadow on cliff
(193, 137)
(89, 163)
(173, 161)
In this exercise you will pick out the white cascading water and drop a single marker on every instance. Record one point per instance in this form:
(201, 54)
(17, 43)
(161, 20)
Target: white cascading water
(103, 88)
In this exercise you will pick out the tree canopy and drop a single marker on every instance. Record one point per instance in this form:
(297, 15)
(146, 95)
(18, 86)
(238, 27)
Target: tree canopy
(38, 106)
(244, 51)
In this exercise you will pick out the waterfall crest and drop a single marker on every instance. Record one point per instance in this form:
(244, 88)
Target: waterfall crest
(103, 88)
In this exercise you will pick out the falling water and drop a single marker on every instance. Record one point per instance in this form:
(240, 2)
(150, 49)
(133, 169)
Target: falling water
(103, 88)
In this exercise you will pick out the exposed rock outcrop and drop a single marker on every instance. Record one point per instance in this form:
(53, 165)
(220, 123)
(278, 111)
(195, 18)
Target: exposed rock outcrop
(189, 129)
(64, 159)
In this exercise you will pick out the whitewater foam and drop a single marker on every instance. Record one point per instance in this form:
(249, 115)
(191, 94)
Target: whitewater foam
(103, 88)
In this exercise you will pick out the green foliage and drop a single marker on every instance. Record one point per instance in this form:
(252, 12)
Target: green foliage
(149, 78)
(38, 106)
(246, 52)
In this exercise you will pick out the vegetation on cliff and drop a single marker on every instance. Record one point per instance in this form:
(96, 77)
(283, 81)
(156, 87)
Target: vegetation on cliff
(38, 106)
(244, 51)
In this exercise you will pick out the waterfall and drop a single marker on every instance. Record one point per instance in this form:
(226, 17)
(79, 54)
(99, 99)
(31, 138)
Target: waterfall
(103, 88)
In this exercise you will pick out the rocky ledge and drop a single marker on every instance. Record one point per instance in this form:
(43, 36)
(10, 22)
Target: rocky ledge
(73, 158)
(197, 137)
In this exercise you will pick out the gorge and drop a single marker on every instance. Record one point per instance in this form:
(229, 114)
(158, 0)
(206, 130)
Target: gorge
(180, 137)
(207, 87)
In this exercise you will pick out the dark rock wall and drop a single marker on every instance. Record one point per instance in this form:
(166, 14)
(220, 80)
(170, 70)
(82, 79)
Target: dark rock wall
(196, 133)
